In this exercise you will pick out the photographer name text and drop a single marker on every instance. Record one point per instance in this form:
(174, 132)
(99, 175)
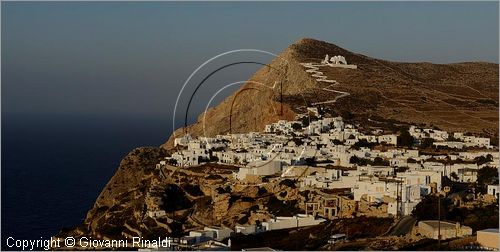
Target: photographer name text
(86, 242)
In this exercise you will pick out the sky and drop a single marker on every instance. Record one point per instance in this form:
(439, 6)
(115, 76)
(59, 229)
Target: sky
(132, 58)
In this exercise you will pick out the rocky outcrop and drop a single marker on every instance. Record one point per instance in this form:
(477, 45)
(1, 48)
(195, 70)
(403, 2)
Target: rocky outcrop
(121, 208)
(135, 171)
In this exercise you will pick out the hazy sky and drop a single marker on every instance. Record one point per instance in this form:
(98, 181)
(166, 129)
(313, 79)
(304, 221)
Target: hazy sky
(132, 58)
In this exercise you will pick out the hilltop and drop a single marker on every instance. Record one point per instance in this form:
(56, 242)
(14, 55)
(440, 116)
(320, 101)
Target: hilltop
(451, 97)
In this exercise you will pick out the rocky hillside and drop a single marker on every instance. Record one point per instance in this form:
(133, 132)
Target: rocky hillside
(256, 103)
(453, 97)
(190, 198)
(120, 208)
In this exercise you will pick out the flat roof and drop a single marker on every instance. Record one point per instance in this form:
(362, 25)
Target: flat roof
(435, 224)
(337, 236)
(258, 249)
(489, 230)
(467, 170)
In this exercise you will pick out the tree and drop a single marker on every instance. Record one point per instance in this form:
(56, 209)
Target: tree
(426, 143)
(307, 119)
(478, 217)
(405, 139)
(362, 143)
(381, 162)
(365, 161)
(321, 110)
(485, 176)
(217, 149)
(427, 209)
(400, 169)
(173, 162)
(354, 160)
(336, 142)
(483, 160)
(296, 126)
(297, 141)
(202, 159)
(311, 161)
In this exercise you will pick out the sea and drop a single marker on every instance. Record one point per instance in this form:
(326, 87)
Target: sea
(53, 167)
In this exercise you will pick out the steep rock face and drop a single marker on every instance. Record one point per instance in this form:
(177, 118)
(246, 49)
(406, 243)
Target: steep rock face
(134, 169)
(257, 102)
(221, 205)
(120, 210)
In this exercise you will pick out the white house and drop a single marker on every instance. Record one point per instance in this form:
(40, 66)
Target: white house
(450, 144)
(220, 233)
(300, 220)
(388, 139)
(493, 190)
(182, 140)
(259, 168)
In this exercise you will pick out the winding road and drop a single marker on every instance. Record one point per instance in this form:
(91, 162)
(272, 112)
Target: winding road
(320, 77)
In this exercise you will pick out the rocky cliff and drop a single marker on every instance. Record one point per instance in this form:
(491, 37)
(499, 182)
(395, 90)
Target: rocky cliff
(142, 200)
(256, 103)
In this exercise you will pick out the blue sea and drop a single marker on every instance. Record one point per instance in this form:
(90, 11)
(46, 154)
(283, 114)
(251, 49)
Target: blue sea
(54, 167)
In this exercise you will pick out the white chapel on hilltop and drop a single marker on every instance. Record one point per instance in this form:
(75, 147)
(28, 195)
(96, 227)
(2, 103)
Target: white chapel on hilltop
(337, 61)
